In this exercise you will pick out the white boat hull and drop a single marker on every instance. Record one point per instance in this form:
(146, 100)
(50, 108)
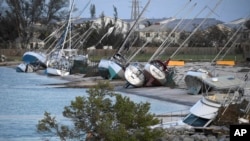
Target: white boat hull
(134, 75)
(155, 75)
(23, 67)
(57, 72)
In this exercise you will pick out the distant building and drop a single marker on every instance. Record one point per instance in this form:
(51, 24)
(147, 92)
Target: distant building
(122, 24)
(162, 29)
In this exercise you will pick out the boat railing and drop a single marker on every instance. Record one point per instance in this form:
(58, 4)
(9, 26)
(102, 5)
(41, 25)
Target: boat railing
(171, 119)
(172, 116)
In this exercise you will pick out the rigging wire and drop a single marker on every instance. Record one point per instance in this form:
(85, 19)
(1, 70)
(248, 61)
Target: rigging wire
(208, 15)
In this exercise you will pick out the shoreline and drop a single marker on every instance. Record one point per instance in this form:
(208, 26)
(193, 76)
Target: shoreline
(173, 95)
(176, 95)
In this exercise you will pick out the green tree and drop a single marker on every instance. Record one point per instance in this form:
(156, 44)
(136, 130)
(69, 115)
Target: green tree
(216, 35)
(23, 15)
(104, 115)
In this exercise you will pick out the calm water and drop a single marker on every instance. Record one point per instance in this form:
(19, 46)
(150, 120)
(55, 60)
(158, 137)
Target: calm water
(24, 98)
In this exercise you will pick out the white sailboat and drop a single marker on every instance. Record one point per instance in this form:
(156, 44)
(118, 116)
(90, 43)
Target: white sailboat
(60, 60)
(134, 74)
(134, 71)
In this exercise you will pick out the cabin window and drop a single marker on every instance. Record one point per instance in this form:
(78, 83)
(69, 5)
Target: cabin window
(195, 121)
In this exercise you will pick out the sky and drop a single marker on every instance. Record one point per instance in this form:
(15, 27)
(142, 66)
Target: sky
(226, 11)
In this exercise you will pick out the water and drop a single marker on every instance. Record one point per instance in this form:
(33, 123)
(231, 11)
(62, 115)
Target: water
(24, 98)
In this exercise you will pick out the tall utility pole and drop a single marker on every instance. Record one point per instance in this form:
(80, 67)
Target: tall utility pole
(135, 9)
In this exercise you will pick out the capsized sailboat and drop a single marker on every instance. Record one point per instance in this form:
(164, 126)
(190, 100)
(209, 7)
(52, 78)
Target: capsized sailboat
(134, 75)
(60, 60)
(154, 71)
(33, 60)
(36, 59)
(134, 71)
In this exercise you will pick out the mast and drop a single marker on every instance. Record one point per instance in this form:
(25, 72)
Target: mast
(68, 24)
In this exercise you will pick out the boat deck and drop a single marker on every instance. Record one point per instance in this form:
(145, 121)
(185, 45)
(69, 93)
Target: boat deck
(223, 82)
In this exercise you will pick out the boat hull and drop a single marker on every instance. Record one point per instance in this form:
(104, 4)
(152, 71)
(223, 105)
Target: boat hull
(24, 67)
(80, 64)
(134, 75)
(115, 70)
(103, 68)
(205, 110)
(194, 82)
(155, 75)
(34, 58)
(56, 72)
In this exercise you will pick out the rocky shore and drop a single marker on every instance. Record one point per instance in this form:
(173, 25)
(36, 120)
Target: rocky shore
(184, 134)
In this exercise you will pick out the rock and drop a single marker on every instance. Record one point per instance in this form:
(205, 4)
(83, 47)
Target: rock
(224, 138)
(188, 139)
(176, 138)
(211, 138)
(199, 137)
